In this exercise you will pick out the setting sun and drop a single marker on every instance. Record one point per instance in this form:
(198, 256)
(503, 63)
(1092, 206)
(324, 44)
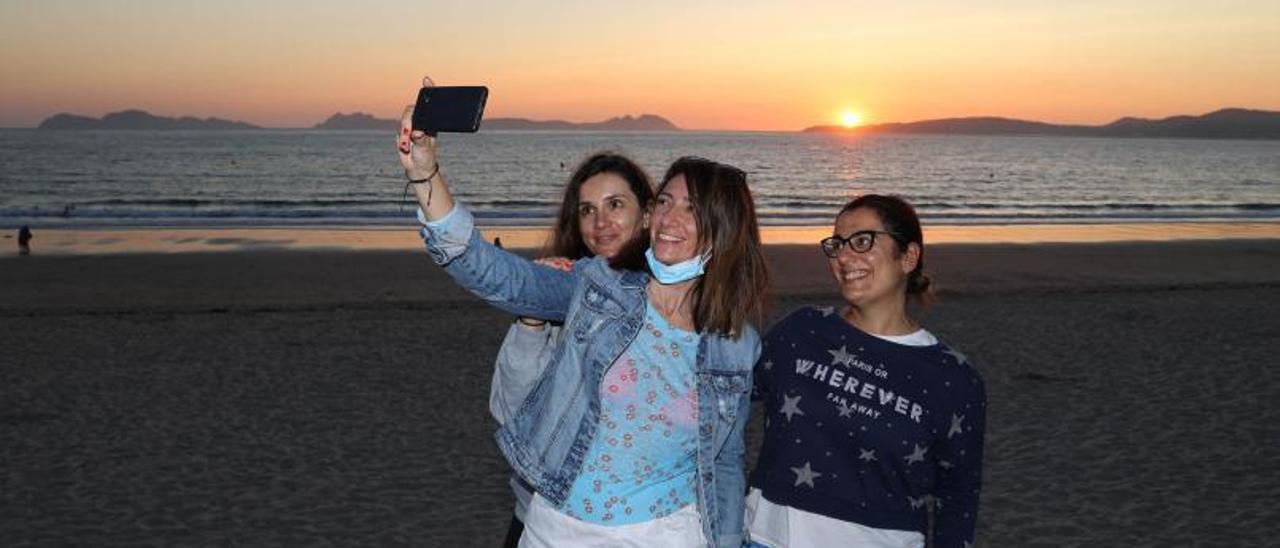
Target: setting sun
(850, 119)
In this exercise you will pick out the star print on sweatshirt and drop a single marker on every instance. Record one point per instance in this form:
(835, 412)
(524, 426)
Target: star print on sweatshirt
(869, 431)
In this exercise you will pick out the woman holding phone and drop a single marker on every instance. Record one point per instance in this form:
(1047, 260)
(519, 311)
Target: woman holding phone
(605, 207)
(869, 419)
(634, 433)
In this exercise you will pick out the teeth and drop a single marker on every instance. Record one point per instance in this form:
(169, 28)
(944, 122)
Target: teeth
(668, 238)
(854, 274)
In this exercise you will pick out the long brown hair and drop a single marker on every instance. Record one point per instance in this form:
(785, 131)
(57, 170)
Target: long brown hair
(566, 237)
(735, 286)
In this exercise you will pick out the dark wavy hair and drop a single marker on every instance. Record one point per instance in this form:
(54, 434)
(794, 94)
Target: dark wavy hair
(735, 286)
(566, 236)
(903, 225)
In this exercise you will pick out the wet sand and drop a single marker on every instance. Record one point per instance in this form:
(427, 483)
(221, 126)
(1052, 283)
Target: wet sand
(334, 397)
(98, 241)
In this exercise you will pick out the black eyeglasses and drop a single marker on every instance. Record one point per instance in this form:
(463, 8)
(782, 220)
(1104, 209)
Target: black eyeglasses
(861, 242)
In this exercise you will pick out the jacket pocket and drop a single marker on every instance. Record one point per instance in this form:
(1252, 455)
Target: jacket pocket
(598, 307)
(729, 389)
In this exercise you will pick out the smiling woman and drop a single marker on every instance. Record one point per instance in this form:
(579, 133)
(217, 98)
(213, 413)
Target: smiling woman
(911, 408)
(605, 205)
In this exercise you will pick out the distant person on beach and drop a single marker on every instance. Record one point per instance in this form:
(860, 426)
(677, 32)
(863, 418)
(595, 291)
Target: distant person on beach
(604, 208)
(24, 240)
(869, 419)
(634, 434)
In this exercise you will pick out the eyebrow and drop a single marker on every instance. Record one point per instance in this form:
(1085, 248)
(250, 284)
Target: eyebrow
(835, 233)
(607, 197)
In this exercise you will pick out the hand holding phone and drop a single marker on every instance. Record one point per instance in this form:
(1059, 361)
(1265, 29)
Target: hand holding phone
(456, 109)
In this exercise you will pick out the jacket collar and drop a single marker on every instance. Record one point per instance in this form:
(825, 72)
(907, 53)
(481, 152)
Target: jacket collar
(632, 279)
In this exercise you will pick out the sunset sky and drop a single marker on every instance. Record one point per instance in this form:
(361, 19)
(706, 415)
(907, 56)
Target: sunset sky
(744, 64)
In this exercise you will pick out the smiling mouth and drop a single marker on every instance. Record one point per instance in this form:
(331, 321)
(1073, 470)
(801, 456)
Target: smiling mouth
(669, 238)
(854, 275)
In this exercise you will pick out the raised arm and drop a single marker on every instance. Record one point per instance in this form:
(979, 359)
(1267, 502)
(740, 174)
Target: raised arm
(505, 280)
(418, 156)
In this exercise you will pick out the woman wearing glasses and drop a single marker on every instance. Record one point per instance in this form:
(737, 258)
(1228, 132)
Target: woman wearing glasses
(869, 420)
(633, 436)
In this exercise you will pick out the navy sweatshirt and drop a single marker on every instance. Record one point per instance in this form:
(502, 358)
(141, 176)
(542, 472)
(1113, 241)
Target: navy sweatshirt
(864, 430)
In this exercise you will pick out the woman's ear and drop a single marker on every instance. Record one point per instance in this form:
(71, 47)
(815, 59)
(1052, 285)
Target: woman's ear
(910, 258)
(644, 218)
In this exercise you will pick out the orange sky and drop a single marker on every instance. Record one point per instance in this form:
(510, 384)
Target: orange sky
(746, 64)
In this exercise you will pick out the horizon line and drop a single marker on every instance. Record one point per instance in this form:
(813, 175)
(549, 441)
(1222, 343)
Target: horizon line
(679, 128)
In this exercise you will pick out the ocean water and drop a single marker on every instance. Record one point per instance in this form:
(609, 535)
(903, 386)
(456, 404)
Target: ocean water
(306, 177)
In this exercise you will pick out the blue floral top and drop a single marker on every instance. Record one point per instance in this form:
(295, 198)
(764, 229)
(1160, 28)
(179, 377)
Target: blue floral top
(642, 462)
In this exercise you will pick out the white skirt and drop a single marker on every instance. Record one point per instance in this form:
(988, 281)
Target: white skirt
(547, 527)
(773, 525)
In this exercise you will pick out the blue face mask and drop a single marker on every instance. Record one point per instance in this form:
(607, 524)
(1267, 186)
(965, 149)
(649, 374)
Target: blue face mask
(682, 271)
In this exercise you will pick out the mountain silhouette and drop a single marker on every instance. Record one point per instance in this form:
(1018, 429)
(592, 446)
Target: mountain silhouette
(1227, 123)
(644, 122)
(138, 119)
(358, 120)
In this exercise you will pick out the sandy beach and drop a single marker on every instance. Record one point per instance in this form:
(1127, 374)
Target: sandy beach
(283, 395)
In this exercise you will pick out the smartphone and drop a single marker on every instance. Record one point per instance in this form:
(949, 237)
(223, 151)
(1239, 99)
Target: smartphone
(455, 109)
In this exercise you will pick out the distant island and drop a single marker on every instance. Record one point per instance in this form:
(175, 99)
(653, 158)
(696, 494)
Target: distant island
(644, 122)
(357, 120)
(138, 119)
(1227, 123)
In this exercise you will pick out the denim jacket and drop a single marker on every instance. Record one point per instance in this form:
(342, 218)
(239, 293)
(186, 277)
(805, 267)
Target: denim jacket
(602, 309)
